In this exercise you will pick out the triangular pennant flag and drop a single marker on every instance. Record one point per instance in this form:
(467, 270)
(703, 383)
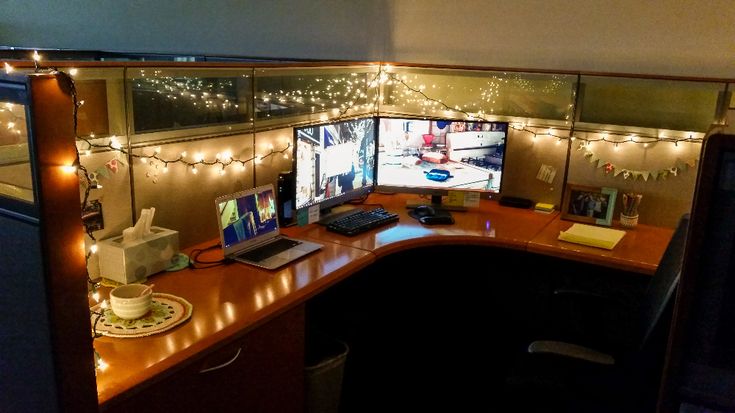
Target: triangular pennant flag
(665, 174)
(600, 163)
(636, 175)
(618, 171)
(103, 172)
(654, 174)
(113, 165)
(593, 158)
(588, 154)
(646, 174)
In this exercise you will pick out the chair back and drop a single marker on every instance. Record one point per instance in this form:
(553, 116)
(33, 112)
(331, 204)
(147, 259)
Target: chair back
(664, 281)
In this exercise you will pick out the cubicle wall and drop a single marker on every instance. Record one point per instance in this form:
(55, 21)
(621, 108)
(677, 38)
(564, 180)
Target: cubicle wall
(45, 343)
(176, 137)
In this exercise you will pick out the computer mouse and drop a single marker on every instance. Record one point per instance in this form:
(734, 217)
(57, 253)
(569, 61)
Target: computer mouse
(424, 211)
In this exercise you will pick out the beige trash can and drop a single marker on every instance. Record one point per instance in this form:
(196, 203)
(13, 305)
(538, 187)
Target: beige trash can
(324, 372)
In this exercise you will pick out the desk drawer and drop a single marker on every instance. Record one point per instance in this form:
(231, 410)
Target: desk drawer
(261, 372)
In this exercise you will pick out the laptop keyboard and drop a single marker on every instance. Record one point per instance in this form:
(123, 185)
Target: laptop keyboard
(268, 250)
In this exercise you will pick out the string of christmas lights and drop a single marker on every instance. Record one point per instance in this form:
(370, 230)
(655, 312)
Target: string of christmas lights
(611, 137)
(223, 159)
(75, 168)
(343, 91)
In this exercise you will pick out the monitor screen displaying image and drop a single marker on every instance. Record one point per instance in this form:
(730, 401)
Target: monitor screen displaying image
(244, 216)
(418, 155)
(334, 163)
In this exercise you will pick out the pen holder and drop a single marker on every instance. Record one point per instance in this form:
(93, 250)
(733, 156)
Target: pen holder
(628, 221)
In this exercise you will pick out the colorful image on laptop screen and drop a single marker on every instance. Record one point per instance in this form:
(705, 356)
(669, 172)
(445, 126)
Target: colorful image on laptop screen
(247, 216)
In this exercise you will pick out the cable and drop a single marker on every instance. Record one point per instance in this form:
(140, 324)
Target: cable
(194, 258)
(358, 201)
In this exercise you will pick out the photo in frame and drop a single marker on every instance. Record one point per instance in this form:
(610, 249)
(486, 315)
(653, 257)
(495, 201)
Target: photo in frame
(589, 204)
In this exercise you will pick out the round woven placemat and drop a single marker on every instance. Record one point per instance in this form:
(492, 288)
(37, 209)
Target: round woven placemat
(167, 311)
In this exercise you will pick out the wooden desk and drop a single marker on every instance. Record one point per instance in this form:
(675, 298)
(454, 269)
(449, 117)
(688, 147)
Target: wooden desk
(490, 224)
(232, 301)
(228, 301)
(639, 251)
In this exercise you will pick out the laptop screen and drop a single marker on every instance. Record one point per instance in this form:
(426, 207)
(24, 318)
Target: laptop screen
(247, 215)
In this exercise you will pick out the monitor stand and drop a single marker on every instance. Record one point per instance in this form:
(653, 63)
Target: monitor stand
(332, 214)
(436, 202)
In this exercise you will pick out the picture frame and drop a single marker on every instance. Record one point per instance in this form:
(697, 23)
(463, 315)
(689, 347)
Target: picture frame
(589, 204)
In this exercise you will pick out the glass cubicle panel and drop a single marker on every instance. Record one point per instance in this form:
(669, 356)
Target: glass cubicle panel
(175, 103)
(101, 115)
(492, 95)
(292, 95)
(647, 106)
(644, 136)
(16, 177)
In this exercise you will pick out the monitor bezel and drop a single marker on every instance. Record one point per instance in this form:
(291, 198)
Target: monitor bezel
(432, 191)
(356, 193)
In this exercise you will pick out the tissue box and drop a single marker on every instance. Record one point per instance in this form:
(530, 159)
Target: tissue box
(133, 261)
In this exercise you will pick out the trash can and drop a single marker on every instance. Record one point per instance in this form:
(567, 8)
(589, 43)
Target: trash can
(325, 363)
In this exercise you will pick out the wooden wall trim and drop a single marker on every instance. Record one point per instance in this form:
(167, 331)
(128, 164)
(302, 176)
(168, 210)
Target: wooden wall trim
(62, 242)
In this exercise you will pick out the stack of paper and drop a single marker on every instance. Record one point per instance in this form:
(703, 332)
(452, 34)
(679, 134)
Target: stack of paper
(544, 208)
(593, 236)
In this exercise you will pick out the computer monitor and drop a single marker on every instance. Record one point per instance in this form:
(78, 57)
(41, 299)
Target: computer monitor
(433, 156)
(334, 162)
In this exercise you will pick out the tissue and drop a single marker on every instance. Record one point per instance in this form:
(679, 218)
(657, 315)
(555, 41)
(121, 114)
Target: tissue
(141, 228)
(140, 251)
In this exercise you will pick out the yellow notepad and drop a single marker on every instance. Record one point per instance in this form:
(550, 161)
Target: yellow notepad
(544, 207)
(593, 236)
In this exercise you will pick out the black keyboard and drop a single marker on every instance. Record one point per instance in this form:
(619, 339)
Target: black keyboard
(268, 250)
(362, 221)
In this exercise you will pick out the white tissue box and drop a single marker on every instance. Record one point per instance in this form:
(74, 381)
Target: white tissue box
(133, 261)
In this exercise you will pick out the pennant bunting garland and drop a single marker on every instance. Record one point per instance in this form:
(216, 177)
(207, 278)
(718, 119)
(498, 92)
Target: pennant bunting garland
(608, 167)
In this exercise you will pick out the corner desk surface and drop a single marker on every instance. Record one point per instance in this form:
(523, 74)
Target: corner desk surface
(232, 299)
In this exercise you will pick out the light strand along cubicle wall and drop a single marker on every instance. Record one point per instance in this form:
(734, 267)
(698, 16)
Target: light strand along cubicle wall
(192, 110)
(47, 352)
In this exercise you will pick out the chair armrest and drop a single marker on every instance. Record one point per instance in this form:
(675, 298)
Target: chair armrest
(561, 348)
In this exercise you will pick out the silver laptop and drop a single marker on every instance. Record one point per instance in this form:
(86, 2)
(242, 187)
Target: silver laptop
(248, 230)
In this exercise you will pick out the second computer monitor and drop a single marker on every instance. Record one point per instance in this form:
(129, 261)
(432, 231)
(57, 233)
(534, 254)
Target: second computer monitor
(430, 156)
(334, 162)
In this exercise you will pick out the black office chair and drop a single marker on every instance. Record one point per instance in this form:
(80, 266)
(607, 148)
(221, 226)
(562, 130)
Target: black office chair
(621, 373)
